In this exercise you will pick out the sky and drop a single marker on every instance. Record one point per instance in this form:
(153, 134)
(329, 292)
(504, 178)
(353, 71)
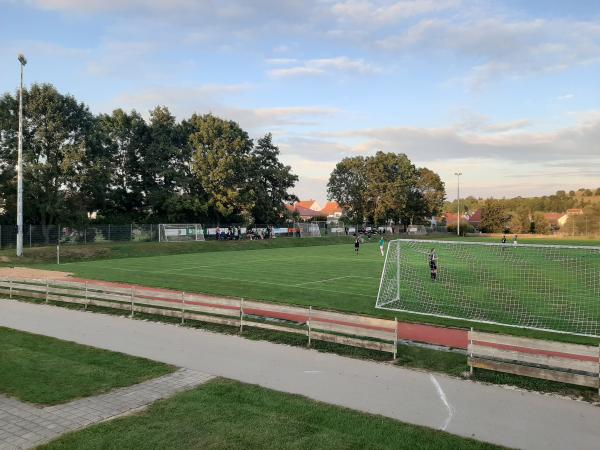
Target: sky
(506, 92)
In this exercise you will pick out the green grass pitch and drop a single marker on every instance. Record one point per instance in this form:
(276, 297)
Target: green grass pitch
(327, 276)
(308, 272)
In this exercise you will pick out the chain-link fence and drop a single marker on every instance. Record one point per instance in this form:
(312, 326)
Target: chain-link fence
(41, 235)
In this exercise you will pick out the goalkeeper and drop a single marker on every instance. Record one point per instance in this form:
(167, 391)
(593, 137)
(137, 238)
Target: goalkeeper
(433, 264)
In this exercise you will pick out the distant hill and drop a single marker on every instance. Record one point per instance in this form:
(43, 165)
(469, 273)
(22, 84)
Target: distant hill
(558, 202)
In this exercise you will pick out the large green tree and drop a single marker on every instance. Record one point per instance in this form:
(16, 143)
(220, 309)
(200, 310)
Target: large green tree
(222, 161)
(348, 186)
(60, 147)
(494, 217)
(269, 182)
(392, 188)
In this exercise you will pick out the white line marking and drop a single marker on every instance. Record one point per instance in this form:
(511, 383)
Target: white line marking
(312, 371)
(444, 400)
(323, 281)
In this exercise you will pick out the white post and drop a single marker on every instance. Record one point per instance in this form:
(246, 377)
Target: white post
(47, 289)
(86, 296)
(22, 61)
(10, 288)
(58, 253)
(458, 174)
(398, 269)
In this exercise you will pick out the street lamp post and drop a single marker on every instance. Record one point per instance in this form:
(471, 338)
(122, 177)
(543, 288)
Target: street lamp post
(458, 174)
(22, 61)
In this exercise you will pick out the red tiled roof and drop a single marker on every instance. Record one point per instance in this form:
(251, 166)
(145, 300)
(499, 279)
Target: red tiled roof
(306, 212)
(331, 208)
(553, 216)
(305, 203)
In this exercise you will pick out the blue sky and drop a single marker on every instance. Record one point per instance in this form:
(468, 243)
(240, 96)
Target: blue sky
(504, 91)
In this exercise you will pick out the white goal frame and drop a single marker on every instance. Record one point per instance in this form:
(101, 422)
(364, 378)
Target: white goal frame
(568, 308)
(180, 232)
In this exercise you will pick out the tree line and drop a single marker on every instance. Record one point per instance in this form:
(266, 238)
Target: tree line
(385, 187)
(526, 215)
(127, 169)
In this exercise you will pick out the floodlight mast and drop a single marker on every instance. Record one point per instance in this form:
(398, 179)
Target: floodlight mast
(458, 174)
(23, 62)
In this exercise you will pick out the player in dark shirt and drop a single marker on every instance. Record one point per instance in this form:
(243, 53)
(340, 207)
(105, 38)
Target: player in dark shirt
(356, 244)
(433, 264)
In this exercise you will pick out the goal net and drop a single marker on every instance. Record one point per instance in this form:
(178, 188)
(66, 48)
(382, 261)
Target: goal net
(172, 232)
(545, 287)
(308, 229)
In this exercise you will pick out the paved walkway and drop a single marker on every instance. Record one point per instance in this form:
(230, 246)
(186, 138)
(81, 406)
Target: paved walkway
(486, 412)
(23, 425)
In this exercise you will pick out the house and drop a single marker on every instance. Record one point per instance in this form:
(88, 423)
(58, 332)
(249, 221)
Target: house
(310, 209)
(332, 210)
(570, 212)
(306, 213)
(553, 219)
(472, 218)
(309, 204)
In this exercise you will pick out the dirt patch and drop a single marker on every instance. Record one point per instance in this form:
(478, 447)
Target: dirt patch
(24, 272)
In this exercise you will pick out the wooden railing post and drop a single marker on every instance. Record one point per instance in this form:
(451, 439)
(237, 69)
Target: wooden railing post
(308, 323)
(182, 308)
(470, 350)
(47, 289)
(132, 301)
(10, 288)
(241, 315)
(395, 337)
(86, 296)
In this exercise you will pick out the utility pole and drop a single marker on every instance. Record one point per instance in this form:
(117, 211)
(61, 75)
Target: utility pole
(22, 61)
(458, 174)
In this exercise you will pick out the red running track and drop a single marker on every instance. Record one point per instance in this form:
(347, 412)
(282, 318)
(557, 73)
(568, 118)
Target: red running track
(427, 334)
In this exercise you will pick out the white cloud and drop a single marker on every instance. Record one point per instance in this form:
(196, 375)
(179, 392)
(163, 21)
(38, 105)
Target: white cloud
(378, 13)
(499, 47)
(184, 101)
(565, 97)
(323, 66)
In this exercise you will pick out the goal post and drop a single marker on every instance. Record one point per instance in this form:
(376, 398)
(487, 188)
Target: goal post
(543, 287)
(180, 232)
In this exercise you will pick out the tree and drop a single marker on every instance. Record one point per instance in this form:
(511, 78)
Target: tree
(392, 188)
(221, 161)
(269, 182)
(541, 225)
(125, 139)
(431, 189)
(59, 150)
(493, 216)
(348, 185)
(520, 221)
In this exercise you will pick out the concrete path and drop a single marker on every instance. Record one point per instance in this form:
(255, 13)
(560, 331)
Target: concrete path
(23, 425)
(489, 413)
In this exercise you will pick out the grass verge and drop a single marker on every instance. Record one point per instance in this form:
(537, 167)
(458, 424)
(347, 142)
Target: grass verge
(44, 370)
(224, 414)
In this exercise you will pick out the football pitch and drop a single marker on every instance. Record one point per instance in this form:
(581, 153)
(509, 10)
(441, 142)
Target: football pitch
(325, 276)
(334, 277)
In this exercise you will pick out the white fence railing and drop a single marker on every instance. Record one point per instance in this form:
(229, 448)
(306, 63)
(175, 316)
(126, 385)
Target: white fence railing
(345, 329)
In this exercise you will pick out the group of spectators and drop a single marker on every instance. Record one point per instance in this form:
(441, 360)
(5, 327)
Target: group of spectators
(229, 234)
(235, 233)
